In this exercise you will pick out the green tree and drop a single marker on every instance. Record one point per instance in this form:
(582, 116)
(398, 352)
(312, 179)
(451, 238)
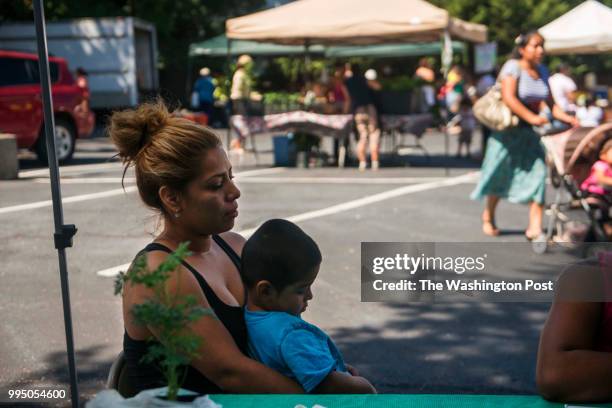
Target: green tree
(178, 24)
(506, 19)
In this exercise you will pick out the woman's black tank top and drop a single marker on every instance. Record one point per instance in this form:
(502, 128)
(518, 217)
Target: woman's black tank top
(141, 376)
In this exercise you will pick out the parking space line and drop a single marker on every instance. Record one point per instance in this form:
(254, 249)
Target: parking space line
(83, 168)
(375, 198)
(117, 180)
(253, 179)
(360, 202)
(88, 180)
(73, 199)
(109, 193)
(339, 180)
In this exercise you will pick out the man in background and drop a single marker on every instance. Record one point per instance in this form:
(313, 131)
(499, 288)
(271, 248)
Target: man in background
(563, 88)
(204, 87)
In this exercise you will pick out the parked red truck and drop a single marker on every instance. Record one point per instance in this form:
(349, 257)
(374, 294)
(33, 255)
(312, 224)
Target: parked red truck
(21, 111)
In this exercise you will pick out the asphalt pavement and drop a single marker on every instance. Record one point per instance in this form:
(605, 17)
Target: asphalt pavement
(402, 348)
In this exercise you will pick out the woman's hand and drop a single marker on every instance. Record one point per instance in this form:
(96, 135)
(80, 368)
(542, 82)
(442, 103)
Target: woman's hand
(574, 122)
(538, 120)
(558, 113)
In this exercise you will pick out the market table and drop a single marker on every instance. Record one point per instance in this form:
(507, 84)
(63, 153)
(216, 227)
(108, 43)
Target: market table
(336, 126)
(391, 401)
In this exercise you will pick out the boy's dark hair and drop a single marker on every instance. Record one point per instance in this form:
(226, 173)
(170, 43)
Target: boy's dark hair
(279, 252)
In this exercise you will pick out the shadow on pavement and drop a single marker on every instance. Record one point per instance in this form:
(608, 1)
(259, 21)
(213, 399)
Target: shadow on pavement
(421, 351)
(91, 373)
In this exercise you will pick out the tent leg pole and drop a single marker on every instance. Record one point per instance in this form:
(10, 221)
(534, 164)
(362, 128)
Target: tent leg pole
(63, 233)
(228, 87)
(188, 82)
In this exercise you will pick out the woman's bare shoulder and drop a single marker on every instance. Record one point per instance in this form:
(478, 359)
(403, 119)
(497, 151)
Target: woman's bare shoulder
(235, 240)
(180, 281)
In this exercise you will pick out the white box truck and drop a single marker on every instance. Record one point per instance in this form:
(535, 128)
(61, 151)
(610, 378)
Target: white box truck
(118, 53)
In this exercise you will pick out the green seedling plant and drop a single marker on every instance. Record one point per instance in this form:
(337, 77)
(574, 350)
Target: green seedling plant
(168, 314)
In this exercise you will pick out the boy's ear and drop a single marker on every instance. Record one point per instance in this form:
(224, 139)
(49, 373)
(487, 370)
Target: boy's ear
(265, 290)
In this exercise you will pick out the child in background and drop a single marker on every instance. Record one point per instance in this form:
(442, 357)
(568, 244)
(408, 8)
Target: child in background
(599, 184)
(279, 264)
(467, 122)
(589, 115)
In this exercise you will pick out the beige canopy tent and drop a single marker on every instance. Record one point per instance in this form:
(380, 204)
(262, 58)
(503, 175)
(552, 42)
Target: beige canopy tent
(352, 22)
(586, 29)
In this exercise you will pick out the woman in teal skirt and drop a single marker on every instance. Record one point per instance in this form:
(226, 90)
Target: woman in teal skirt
(514, 165)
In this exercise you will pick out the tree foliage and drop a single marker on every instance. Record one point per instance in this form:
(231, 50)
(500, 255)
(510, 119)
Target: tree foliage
(169, 313)
(178, 23)
(506, 19)
(181, 22)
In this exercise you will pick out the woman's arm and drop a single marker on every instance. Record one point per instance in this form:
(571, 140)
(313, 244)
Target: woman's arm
(563, 116)
(568, 368)
(509, 85)
(347, 100)
(219, 359)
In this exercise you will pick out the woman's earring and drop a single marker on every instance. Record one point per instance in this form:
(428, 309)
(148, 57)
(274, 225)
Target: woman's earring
(177, 214)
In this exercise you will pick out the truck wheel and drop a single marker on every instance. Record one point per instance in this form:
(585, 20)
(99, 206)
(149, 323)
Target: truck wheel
(65, 142)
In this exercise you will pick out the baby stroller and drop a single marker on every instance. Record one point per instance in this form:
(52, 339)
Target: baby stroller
(570, 156)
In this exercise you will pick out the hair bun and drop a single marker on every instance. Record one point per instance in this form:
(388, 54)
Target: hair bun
(131, 130)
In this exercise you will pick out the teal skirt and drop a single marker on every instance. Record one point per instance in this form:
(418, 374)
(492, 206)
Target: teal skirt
(514, 167)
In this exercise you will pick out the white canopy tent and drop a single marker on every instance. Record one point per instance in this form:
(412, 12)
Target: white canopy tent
(352, 22)
(586, 29)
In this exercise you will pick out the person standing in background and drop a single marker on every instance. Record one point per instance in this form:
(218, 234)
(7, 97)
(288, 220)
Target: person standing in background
(366, 117)
(563, 88)
(485, 82)
(240, 93)
(83, 83)
(338, 94)
(205, 89)
(425, 73)
(514, 166)
(589, 115)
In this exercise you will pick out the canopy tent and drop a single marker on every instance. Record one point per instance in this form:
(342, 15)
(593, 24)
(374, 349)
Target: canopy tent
(586, 29)
(391, 50)
(351, 22)
(218, 47)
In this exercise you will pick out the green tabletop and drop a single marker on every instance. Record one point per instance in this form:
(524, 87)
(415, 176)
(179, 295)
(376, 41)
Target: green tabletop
(389, 401)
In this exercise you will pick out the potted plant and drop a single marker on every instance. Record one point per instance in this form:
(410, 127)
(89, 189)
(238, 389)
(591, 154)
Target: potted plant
(169, 313)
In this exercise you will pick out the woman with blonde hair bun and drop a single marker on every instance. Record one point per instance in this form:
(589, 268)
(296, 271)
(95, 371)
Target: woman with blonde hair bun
(183, 173)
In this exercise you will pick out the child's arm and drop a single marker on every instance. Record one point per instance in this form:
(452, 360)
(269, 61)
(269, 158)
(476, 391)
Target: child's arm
(602, 179)
(308, 356)
(343, 383)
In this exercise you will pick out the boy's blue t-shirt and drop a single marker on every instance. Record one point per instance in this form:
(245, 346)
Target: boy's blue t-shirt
(293, 347)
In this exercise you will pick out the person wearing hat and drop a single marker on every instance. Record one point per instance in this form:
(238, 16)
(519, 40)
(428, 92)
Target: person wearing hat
(240, 92)
(204, 87)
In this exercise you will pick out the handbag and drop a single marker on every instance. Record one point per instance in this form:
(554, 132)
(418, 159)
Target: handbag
(491, 111)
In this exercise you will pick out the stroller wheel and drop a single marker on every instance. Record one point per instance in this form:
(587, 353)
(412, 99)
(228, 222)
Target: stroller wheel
(539, 244)
(592, 249)
(555, 178)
